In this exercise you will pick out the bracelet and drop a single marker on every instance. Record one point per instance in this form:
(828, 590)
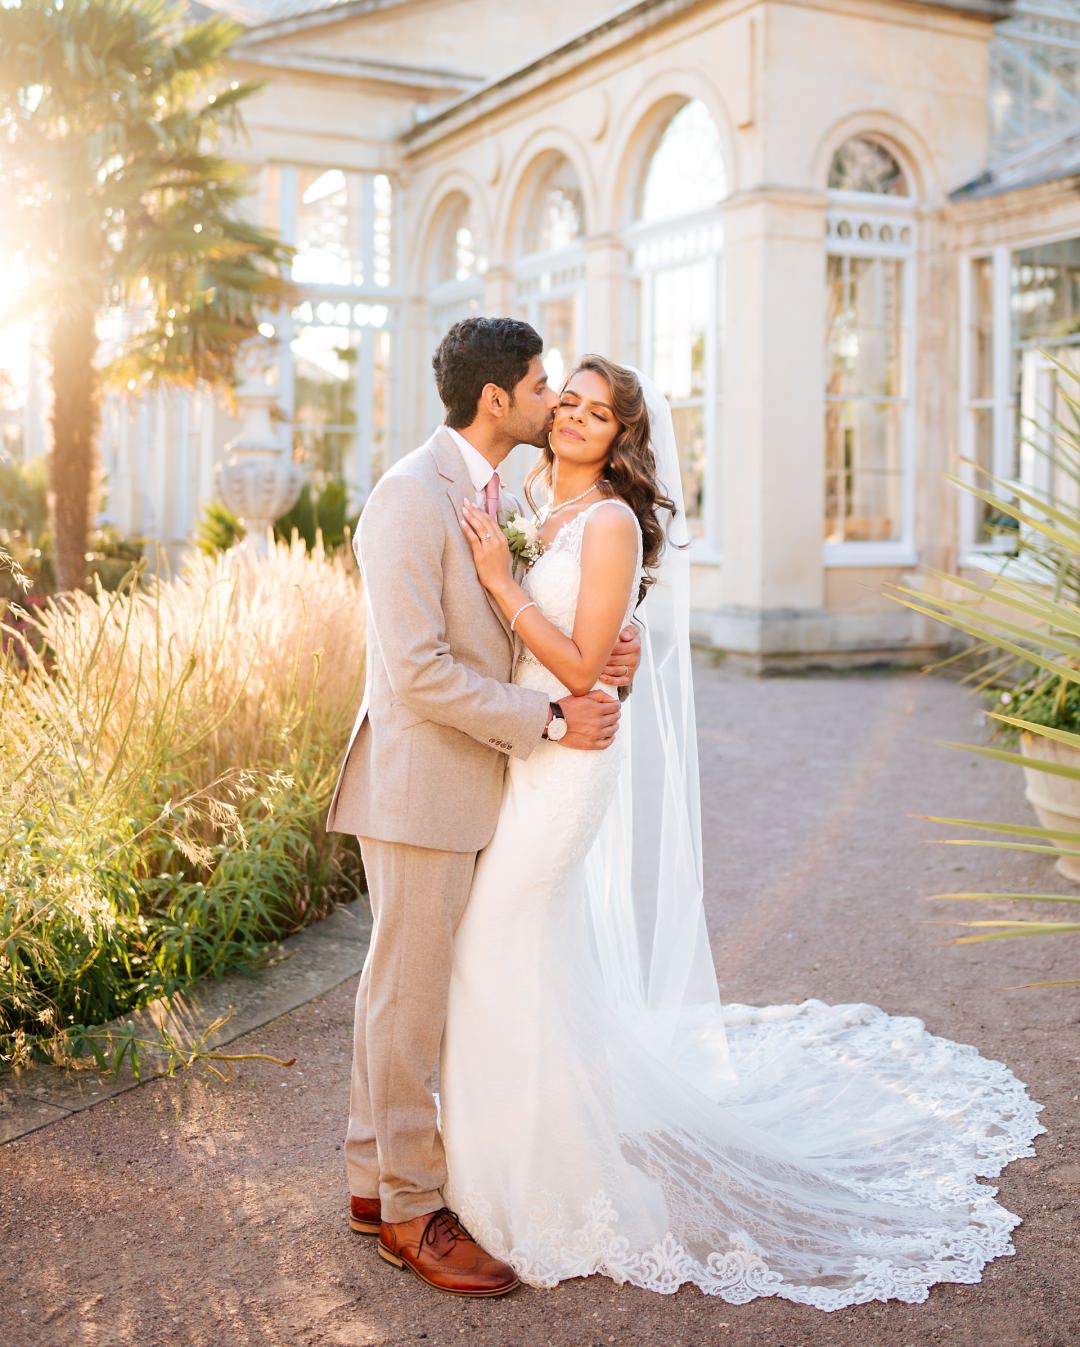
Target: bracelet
(530, 604)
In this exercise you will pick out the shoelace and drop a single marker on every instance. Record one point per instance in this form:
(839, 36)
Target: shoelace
(445, 1222)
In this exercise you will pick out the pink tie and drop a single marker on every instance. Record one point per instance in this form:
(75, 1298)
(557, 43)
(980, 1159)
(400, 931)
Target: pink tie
(491, 496)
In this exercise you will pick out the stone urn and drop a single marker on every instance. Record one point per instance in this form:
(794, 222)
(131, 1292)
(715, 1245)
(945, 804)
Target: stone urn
(258, 479)
(1055, 799)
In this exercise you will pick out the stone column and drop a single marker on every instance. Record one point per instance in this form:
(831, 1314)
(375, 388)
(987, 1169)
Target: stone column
(605, 298)
(414, 380)
(772, 445)
(498, 293)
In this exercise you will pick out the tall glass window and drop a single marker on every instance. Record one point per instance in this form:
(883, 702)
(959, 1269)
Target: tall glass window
(869, 354)
(676, 244)
(550, 269)
(1045, 285)
(337, 343)
(555, 216)
(1022, 325)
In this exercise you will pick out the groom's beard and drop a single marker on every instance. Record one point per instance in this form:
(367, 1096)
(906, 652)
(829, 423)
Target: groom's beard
(542, 438)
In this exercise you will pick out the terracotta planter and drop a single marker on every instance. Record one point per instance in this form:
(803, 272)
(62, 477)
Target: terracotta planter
(1055, 799)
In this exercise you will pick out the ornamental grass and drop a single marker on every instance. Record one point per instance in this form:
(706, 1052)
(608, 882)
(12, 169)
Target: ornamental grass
(167, 754)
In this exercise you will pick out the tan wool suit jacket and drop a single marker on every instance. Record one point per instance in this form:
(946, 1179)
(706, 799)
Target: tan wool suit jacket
(439, 719)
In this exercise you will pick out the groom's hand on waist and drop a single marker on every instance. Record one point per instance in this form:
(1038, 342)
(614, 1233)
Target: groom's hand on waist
(623, 661)
(591, 722)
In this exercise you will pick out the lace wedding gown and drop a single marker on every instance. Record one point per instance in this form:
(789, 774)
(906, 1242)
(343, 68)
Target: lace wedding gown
(829, 1155)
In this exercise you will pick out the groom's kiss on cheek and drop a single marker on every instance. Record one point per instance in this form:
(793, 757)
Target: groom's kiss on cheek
(531, 410)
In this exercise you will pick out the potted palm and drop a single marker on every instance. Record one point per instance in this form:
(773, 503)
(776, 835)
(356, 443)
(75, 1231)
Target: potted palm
(1053, 703)
(1024, 627)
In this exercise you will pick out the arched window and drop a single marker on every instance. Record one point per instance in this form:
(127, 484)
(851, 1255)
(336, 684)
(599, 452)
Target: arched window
(457, 252)
(869, 405)
(456, 267)
(686, 168)
(676, 246)
(554, 216)
(550, 268)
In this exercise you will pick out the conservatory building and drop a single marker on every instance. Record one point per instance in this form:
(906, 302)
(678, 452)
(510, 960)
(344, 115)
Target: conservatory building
(842, 235)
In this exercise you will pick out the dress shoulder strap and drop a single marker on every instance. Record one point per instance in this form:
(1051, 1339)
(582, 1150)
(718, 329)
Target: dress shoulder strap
(608, 500)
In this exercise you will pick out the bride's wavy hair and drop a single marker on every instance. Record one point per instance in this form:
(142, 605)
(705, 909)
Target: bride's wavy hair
(630, 469)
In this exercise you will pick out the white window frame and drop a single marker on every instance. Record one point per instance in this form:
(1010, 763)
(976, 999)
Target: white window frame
(1000, 402)
(540, 278)
(878, 210)
(971, 553)
(358, 481)
(674, 243)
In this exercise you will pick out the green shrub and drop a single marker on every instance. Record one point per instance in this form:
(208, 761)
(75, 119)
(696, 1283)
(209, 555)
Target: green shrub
(217, 529)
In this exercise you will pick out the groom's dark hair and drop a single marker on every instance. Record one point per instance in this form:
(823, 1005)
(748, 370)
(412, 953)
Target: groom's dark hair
(479, 351)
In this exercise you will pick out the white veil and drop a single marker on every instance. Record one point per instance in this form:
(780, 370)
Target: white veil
(645, 877)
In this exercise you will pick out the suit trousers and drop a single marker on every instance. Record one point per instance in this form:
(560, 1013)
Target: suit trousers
(393, 1147)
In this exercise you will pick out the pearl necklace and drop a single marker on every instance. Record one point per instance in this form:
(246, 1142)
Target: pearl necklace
(567, 503)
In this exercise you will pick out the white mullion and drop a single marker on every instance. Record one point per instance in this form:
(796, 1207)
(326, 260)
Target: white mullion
(1002, 363)
(966, 431)
(289, 203)
(397, 239)
(363, 437)
(847, 288)
(395, 394)
(366, 227)
(908, 317)
(711, 503)
(579, 296)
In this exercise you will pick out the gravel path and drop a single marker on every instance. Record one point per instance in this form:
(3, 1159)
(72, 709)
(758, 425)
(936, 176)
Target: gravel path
(199, 1213)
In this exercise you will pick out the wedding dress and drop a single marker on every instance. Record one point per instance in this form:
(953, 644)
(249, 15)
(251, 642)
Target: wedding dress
(825, 1154)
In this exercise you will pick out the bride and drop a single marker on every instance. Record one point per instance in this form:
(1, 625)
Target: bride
(600, 1112)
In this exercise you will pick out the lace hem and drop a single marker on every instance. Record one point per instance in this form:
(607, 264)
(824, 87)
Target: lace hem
(741, 1273)
(987, 1119)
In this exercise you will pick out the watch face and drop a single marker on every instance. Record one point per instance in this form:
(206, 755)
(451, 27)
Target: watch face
(556, 729)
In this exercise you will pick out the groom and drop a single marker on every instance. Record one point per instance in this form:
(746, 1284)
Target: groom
(422, 779)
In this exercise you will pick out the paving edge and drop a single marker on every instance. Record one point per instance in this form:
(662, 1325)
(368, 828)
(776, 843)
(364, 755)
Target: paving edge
(305, 965)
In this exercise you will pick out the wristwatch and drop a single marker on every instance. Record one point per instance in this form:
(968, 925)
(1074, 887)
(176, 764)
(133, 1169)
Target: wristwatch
(557, 726)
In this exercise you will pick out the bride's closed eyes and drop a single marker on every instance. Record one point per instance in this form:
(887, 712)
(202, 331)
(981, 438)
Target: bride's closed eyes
(573, 402)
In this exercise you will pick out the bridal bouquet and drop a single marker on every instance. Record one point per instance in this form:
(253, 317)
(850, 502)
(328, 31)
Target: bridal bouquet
(523, 538)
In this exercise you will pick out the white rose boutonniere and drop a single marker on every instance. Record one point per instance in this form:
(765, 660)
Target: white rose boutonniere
(523, 539)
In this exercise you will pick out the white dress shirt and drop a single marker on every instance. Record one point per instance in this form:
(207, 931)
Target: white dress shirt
(479, 469)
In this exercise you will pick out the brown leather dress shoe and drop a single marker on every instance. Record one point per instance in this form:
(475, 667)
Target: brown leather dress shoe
(365, 1215)
(441, 1252)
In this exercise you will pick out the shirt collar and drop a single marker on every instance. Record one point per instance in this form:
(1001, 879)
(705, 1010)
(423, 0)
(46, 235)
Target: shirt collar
(479, 469)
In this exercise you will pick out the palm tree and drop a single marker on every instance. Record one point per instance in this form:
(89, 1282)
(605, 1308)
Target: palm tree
(114, 192)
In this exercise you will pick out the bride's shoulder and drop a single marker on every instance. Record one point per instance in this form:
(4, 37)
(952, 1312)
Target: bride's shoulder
(613, 518)
(611, 528)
